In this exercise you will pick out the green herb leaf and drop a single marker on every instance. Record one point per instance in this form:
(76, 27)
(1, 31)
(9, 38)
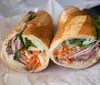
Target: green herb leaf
(43, 51)
(96, 23)
(64, 42)
(20, 37)
(32, 15)
(28, 43)
(78, 42)
(6, 46)
(80, 45)
(72, 41)
(17, 53)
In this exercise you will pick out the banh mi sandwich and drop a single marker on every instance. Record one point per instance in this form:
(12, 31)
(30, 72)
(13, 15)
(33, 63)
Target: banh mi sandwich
(75, 44)
(26, 48)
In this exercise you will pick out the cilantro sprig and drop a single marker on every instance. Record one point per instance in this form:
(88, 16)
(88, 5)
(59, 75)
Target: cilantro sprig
(17, 53)
(78, 42)
(31, 16)
(28, 43)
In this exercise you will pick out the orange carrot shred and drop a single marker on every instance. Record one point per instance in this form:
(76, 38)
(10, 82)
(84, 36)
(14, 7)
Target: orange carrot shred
(63, 52)
(65, 46)
(22, 52)
(26, 58)
(69, 61)
(39, 65)
(34, 65)
(56, 52)
(69, 50)
(32, 61)
(35, 53)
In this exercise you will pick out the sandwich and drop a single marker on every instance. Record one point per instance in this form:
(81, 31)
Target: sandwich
(26, 48)
(76, 43)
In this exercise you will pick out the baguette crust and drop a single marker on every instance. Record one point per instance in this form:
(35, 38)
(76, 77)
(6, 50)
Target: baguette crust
(69, 13)
(41, 27)
(80, 25)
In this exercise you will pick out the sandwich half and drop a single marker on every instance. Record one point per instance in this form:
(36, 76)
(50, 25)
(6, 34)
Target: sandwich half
(26, 48)
(75, 44)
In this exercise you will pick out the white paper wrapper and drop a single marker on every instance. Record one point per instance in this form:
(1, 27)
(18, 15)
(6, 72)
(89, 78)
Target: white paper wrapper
(11, 12)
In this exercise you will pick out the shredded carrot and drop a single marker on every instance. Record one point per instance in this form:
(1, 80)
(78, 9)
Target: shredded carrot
(39, 65)
(65, 46)
(22, 52)
(32, 61)
(69, 50)
(69, 61)
(35, 53)
(26, 58)
(63, 52)
(34, 65)
(56, 52)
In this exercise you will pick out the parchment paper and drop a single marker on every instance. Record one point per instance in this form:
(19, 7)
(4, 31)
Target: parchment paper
(11, 12)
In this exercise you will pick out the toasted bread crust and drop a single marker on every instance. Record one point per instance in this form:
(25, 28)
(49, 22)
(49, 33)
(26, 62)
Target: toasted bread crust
(41, 27)
(69, 13)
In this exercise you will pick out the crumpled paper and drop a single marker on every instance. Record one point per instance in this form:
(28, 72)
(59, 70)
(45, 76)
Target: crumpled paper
(10, 13)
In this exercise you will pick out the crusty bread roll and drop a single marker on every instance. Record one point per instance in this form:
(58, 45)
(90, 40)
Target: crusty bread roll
(68, 14)
(31, 38)
(74, 31)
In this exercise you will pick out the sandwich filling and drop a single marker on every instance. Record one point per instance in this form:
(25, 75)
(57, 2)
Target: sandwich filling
(24, 51)
(76, 49)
